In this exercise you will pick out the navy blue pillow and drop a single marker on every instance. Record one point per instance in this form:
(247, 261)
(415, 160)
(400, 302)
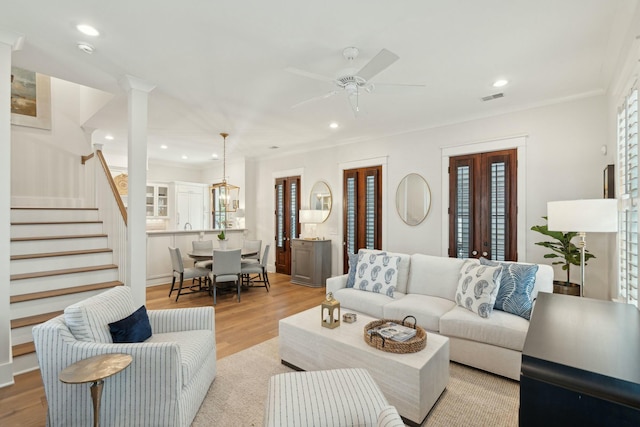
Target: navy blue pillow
(516, 287)
(133, 328)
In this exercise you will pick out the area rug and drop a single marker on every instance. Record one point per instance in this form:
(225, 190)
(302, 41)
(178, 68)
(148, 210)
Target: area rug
(237, 396)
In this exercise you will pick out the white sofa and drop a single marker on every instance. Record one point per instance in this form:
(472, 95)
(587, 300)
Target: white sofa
(426, 288)
(165, 383)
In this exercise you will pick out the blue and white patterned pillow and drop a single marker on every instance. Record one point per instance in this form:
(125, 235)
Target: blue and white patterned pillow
(377, 273)
(516, 287)
(353, 264)
(478, 287)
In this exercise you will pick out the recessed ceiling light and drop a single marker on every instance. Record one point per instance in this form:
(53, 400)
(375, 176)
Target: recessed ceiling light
(88, 30)
(108, 137)
(333, 125)
(164, 147)
(214, 156)
(184, 157)
(86, 47)
(500, 83)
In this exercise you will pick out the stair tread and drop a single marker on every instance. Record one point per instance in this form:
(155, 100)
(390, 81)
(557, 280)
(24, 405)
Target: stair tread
(34, 320)
(55, 222)
(63, 271)
(36, 208)
(65, 253)
(72, 236)
(64, 291)
(22, 349)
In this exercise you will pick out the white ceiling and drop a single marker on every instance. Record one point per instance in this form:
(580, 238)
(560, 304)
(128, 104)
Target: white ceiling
(219, 66)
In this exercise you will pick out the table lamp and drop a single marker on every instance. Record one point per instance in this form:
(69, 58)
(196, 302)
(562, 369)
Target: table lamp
(583, 216)
(309, 218)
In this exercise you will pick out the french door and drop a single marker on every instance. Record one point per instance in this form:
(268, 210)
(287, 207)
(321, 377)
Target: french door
(287, 202)
(362, 210)
(482, 206)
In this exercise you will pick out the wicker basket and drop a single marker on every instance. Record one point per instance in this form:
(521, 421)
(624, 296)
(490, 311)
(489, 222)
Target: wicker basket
(412, 345)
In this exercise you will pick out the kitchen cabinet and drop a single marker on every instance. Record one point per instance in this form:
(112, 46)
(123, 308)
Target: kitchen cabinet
(157, 200)
(190, 207)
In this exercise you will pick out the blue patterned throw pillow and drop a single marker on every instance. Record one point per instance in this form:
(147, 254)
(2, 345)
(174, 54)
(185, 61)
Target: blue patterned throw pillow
(353, 265)
(477, 287)
(377, 272)
(516, 287)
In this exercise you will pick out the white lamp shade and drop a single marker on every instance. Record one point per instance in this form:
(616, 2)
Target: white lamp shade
(588, 216)
(310, 216)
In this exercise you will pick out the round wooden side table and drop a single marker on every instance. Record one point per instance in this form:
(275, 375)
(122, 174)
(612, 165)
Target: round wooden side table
(95, 369)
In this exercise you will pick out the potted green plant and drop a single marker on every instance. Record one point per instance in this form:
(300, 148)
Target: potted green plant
(222, 239)
(569, 254)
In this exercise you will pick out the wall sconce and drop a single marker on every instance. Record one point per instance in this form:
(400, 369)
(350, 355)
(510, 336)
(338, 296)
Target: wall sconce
(330, 314)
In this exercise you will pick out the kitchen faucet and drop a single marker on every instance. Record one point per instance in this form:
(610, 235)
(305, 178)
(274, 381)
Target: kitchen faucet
(189, 224)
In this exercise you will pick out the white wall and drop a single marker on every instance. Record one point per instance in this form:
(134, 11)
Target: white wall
(563, 161)
(45, 164)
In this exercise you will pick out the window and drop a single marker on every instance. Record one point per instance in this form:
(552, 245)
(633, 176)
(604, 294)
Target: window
(483, 195)
(628, 190)
(362, 210)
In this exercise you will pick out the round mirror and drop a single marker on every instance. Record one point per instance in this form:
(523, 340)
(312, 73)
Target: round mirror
(320, 199)
(413, 199)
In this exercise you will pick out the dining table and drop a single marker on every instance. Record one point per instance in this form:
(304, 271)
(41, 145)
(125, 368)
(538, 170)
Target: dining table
(207, 254)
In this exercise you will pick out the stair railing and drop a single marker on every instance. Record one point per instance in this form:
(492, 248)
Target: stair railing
(112, 212)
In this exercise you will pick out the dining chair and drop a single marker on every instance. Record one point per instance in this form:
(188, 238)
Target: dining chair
(259, 269)
(183, 274)
(250, 246)
(203, 245)
(226, 268)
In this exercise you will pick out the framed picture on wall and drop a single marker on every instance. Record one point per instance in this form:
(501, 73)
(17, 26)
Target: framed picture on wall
(609, 187)
(30, 99)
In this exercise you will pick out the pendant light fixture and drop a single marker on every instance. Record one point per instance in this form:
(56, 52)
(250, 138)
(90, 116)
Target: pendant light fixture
(225, 197)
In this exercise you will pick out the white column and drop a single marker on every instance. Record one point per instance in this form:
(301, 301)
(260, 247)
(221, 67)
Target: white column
(9, 42)
(138, 94)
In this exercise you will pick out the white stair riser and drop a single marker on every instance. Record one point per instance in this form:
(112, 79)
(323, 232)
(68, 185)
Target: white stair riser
(21, 335)
(57, 245)
(47, 305)
(32, 265)
(24, 363)
(40, 215)
(42, 230)
(40, 284)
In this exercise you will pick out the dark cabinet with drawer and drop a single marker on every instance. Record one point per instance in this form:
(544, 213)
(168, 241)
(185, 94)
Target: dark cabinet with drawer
(310, 262)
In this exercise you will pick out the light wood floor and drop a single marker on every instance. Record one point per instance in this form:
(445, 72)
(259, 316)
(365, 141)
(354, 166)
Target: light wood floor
(238, 326)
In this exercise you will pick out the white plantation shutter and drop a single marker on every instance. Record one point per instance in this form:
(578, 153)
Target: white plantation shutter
(628, 195)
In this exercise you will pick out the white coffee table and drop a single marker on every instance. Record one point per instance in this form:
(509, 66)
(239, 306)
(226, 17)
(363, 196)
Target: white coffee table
(411, 382)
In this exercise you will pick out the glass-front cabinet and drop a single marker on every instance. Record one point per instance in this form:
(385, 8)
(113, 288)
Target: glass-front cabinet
(157, 200)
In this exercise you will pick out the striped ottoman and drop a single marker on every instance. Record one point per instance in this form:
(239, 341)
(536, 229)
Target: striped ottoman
(333, 398)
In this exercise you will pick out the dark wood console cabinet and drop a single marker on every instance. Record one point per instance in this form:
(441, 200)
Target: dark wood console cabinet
(581, 364)
(310, 262)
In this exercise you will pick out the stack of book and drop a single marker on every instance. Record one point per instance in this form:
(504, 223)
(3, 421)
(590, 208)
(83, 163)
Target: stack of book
(394, 331)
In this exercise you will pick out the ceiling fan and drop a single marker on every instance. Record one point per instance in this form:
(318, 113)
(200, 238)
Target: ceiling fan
(353, 81)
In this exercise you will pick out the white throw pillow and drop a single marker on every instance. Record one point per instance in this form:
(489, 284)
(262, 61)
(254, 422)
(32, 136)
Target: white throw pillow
(478, 287)
(377, 273)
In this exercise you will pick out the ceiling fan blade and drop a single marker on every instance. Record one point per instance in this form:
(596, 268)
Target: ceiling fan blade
(382, 60)
(400, 84)
(309, 74)
(316, 98)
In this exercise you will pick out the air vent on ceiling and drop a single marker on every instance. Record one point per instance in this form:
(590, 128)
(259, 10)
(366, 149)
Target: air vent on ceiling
(492, 97)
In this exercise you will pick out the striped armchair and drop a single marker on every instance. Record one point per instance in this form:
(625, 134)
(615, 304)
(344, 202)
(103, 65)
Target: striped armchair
(166, 381)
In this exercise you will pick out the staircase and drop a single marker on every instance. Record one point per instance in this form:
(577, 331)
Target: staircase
(58, 256)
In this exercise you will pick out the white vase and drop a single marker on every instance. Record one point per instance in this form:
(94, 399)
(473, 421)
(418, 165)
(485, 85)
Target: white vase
(223, 244)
